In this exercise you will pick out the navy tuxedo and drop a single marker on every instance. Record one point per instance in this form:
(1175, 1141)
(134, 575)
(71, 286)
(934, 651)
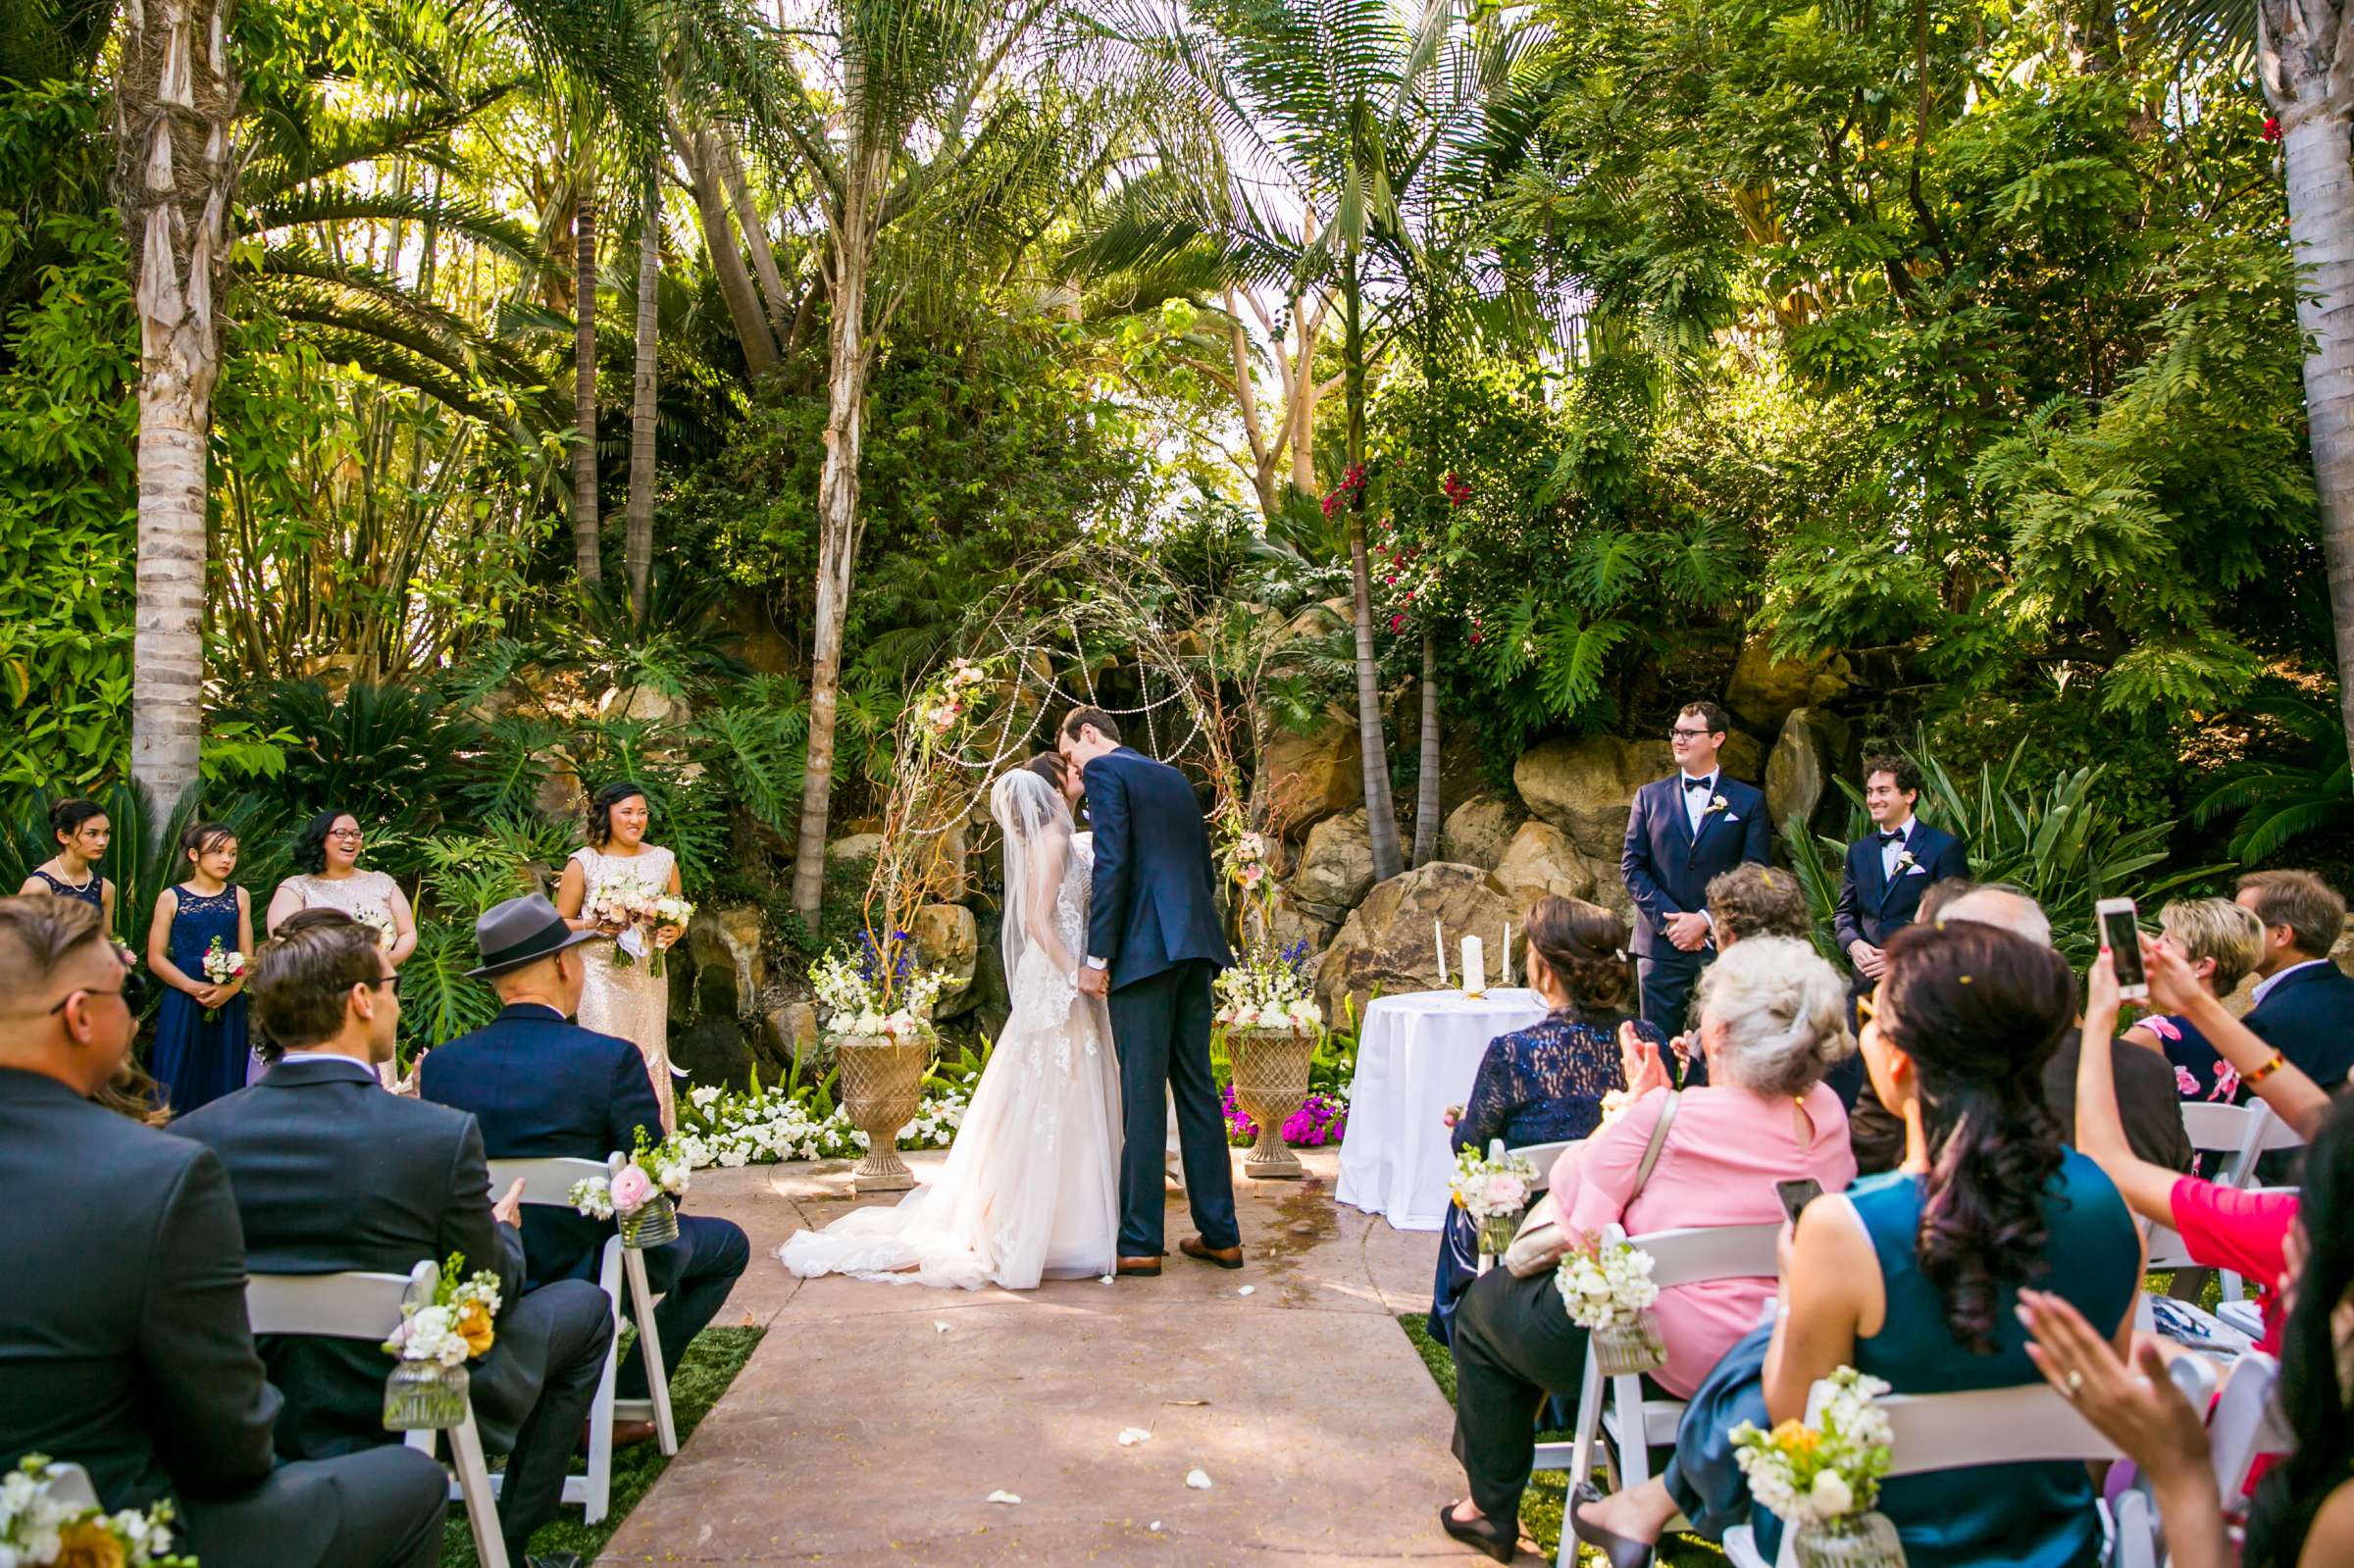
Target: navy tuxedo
(1872, 907)
(1667, 867)
(1152, 920)
(2308, 1017)
(543, 1087)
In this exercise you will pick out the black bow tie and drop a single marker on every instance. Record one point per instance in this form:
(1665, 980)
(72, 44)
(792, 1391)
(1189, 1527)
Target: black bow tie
(1894, 835)
(1698, 784)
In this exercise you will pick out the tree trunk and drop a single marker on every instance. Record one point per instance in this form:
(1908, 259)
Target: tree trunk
(837, 512)
(639, 548)
(2305, 78)
(727, 261)
(587, 558)
(1381, 812)
(176, 101)
(1427, 786)
(755, 235)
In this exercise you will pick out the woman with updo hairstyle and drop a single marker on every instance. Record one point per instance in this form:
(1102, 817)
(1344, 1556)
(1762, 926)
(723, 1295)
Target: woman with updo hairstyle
(623, 996)
(83, 831)
(1915, 1276)
(1543, 1083)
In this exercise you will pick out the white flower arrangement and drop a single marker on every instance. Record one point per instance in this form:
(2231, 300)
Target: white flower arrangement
(1815, 1474)
(1268, 990)
(731, 1128)
(1494, 1186)
(37, 1526)
(863, 998)
(459, 1322)
(1607, 1285)
(633, 904)
(632, 1180)
(222, 964)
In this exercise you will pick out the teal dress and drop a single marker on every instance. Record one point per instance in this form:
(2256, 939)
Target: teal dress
(2016, 1516)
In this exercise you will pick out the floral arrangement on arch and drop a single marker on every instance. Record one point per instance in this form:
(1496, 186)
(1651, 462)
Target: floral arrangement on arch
(461, 1320)
(882, 989)
(40, 1526)
(1827, 1469)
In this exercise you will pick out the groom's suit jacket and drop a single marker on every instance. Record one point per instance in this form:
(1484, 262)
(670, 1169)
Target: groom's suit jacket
(1668, 867)
(1154, 902)
(1871, 905)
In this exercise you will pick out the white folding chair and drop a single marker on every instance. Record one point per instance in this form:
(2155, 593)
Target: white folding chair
(548, 1182)
(2242, 1133)
(1628, 1421)
(2024, 1425)
(2245, 1423)
(1545, 1154)
(367, 1306)
(70, 1485)
(2166, 1250)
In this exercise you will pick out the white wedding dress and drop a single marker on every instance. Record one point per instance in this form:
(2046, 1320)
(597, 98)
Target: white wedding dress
(1030, 1189)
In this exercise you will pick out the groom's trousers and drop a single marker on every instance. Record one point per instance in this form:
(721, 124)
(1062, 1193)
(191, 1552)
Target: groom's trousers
(1161, 1028)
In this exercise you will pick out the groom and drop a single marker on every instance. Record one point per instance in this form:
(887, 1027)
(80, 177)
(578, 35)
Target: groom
(1153, 942)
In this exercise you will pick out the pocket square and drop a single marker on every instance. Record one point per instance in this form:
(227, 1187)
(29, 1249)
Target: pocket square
(1730, 817)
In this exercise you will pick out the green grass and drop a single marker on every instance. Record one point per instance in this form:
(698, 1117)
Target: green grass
(704, 1374)
(1541, 1505)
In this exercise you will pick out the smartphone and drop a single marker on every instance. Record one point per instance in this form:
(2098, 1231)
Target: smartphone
(1797, 1195)
(2121, 934)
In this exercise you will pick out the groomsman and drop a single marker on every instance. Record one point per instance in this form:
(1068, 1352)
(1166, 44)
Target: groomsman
(1890, 868)
(1683, 830)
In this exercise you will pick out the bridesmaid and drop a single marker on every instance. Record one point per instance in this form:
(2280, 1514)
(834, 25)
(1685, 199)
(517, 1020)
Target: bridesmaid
(327, 876)
(200, 1049)
(82, 832)
(624, 996)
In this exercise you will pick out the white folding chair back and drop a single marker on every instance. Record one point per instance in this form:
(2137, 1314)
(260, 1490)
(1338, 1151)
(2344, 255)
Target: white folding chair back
(621, 1271)
(2242, 1133)
(367, 1306)
(2030, 1423)
(1545, 1154)
(2244, 1423)
(1693, 1255)
(70, 1485)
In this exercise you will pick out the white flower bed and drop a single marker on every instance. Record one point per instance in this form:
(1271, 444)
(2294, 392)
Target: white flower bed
(730, 1128)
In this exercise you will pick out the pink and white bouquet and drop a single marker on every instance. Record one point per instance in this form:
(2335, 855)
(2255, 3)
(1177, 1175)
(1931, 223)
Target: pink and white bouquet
(222, 964)
(46, 1517)
(381, 922)
(632, 1180)
(1494, 1191)
(640, 911)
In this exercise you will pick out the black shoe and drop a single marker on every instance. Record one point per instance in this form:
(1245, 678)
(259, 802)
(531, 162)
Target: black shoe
(1621, 1552)
(1479, 1534)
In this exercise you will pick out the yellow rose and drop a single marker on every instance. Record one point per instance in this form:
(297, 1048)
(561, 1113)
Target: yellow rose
(89, 1544)
(474, 1328)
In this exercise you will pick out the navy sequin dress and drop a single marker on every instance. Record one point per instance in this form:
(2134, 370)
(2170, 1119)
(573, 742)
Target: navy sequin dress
(195, 1062)
(1539, 1085)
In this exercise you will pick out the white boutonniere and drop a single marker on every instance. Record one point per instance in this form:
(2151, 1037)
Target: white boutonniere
(1716, 804)
(1905, 861)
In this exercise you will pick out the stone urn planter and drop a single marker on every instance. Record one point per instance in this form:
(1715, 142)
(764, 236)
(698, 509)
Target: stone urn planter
(882, 1084)
(1270, 1083)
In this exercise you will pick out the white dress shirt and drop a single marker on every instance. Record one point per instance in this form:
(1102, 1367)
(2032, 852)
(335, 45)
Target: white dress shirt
(1695, 801)
(1890, 848)
(2264, 986)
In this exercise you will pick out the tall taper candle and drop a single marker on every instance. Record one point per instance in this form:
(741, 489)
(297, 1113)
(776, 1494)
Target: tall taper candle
(1438, 940)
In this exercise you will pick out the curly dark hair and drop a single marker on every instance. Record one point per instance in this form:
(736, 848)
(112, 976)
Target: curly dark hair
(1753, 900)
(67, 816)
(1980, 1012)
(600, 809)
(1903, 769)
(1584, 945)
(2310, 1395)
(310, 844)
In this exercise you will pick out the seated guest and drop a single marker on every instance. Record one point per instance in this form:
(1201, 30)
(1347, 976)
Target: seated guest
(1916, 1278)
(1754, 900)
(2304, 1003)
(1772, 1018)
(542, 1087)
(333, 1174)
(1545, 1084)
(123, 1341)
(2303, 1515)
(2220, 941)
(2145, 1084)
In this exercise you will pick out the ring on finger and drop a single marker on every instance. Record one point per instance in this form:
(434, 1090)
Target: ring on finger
(2072, 1384)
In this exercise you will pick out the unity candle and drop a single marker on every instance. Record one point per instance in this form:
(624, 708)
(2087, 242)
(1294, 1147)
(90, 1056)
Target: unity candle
(1475, 967)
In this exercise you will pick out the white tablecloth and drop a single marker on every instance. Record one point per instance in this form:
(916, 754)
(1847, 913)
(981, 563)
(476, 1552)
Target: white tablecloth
(1416, 1054)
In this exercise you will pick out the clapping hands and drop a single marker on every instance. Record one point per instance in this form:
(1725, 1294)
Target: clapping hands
(1641, 1061)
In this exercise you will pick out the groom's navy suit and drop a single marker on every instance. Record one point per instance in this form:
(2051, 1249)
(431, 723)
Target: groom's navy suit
(1873, 907)
(1667, 867)
(1153, 923)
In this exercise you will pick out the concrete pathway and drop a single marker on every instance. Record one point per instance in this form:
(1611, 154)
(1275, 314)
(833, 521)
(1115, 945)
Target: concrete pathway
(861, 1433)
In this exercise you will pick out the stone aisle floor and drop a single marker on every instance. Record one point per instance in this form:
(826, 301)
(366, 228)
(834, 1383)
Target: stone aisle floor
(860, 1432)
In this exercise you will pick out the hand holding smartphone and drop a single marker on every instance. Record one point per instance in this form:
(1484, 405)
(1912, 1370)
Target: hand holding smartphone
(1796, 1194)
(2120, 929)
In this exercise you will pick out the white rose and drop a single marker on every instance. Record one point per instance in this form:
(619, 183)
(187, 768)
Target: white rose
(1831, 1496)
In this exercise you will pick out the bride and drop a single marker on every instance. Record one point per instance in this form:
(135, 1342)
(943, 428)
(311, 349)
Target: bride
(1029, 1187)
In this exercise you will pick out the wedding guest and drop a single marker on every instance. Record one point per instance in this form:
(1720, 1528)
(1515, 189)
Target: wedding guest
(327, 876)
(1543, 1083)
(2303, 1515)
(1772, 1018)
(82, 830)
(2304, 1003)
(542, 1088)
(123, 1341)
(2220, 941)
(333, 1175)
(1753, 900)
(200, 1050)
(624, 996)
(1916, 1278)
(1681, 831)
(1888, 868)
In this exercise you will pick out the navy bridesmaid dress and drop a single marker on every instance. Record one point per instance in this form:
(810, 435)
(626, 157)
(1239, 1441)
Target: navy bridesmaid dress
(195, 1062)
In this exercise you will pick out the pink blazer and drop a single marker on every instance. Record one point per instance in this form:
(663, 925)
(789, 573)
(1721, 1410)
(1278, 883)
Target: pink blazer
(1724, 1150)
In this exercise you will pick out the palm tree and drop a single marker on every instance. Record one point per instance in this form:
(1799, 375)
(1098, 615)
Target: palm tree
(638, 549)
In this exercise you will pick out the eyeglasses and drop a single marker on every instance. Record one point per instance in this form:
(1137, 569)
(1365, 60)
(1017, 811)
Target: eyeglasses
(1682, 733)
(343, 833)
(132, 990)
(384, 981)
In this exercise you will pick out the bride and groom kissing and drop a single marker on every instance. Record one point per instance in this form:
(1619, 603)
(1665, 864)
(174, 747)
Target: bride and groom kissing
(1111, 939)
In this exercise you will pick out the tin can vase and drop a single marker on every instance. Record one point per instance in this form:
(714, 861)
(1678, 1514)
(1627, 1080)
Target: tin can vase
(425, 1397)
(1270, 1083)
(655, 1222)
(1496, 1234)
(882, 1088)
(1866, 1539)
(1624, 1347)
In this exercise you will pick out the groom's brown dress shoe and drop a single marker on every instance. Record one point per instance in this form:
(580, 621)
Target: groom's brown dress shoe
(1138, 1268)
(1225, 1257)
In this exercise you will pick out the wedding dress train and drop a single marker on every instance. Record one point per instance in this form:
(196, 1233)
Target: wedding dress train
(1029, 1188)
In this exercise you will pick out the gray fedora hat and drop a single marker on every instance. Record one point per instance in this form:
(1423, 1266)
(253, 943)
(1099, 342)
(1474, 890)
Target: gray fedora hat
(522, 930)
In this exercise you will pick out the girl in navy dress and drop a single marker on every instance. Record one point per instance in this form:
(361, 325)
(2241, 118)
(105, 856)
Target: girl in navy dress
(200, 1048)
(82, 833)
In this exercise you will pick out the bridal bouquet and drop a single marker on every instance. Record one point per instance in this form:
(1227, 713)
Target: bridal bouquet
(40, 1525)
(639, 908)
(866, 996)
(1494, 1191)
(1608, 1288)
(1268, 990)
(1824, 1474)
(222, 964)
(639, 1190)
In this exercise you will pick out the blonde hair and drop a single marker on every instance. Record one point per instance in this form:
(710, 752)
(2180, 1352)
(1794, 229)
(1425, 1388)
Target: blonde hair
(1784, 1012)
(2233, 935)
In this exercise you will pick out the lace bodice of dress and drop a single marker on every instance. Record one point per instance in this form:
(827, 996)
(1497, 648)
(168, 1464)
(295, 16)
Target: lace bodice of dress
(1042, 982)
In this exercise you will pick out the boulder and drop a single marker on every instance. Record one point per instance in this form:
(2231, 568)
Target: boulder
(729, 969)
(1478, 831)
(560, 793)
(793, 1032)
(1542, 862)
(856, 846)
(1742, 758)
(643, 702)
(1290, 921)
(949, 940)
(1309, 777)
(1386, 943)
(1336, 868)
(1584, 787)
(1763, 688)
(713, 1050)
